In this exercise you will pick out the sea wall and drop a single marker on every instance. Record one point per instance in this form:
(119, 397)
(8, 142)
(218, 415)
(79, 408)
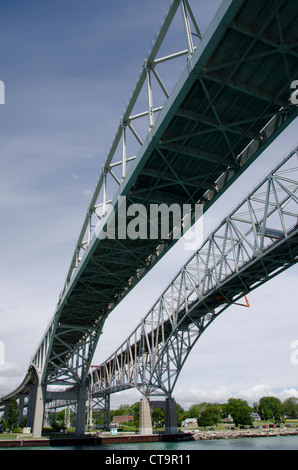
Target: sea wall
(241, 433)
(95, 440)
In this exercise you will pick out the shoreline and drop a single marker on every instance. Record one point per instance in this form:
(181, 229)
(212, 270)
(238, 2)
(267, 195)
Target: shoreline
(94, 440)
(133, 438)
(243, 433)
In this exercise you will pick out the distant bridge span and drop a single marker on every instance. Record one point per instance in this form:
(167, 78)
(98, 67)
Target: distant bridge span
(255, 242)
(228, 105)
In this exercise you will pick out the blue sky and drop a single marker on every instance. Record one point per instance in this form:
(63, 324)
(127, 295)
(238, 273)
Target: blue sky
(69, 68)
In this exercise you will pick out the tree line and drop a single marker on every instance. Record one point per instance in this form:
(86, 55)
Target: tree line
(269, 408)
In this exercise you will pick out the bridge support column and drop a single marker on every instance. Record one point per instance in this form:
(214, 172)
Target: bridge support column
(81, 410)
(30, 407)
(145, 417)
(101, 405)
(6, 410)
(107, 416)
(38, 411)
(106, 411)
(21, 408)
(171, 416)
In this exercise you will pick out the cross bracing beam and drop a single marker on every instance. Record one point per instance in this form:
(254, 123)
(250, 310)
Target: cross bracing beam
(241, 105)
(255, 242)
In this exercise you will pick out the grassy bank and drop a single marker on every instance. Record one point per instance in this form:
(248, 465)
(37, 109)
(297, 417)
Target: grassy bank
(291, 423)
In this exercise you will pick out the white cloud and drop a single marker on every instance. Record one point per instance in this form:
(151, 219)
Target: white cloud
(194, 396)
(287, 393)
(221, 394)
(87, 192)
(253, 394)
(10, 370)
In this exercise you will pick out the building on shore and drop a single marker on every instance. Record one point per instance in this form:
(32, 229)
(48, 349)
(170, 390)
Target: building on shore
(123, 419)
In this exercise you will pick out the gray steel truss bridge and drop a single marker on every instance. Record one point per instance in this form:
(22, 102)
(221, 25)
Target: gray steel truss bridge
(255, 242)
(186, 147)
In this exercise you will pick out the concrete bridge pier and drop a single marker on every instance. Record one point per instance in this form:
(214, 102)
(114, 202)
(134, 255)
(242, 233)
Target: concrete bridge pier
(145, 417)
(171, 416)
(169, 408)
(39, 408)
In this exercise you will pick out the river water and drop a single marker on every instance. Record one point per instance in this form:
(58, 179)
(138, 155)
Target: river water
(255, 443)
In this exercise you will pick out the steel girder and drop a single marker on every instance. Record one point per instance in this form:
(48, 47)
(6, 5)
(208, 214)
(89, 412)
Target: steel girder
(255, 242)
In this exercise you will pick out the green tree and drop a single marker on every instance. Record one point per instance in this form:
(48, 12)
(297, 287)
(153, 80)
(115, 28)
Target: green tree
(125, 410)
(180, 413)
(23, 422)
(195, 410)
(290, 407)
(271, 408)
(13, 412)
(210, 416)
(136, 414)
(240, 411)
(224, 408)
(158, 417)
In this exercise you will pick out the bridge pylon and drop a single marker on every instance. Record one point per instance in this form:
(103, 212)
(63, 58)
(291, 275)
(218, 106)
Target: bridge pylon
(147, 406)
(81, 410)
(145, 417)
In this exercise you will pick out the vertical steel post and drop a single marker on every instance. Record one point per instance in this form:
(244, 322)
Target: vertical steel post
(123, 151)
(187, 29)
(150, 97)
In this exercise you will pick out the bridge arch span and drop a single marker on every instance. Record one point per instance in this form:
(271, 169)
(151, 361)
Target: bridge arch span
(253, 244)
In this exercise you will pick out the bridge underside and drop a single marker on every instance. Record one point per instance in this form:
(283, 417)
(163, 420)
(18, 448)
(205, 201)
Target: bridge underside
(231, 102)
(191, 323)
(254, 243)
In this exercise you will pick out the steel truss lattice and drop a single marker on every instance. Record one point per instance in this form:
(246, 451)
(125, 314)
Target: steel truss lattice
(255, 242)
(70, 365)
(121, 154)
